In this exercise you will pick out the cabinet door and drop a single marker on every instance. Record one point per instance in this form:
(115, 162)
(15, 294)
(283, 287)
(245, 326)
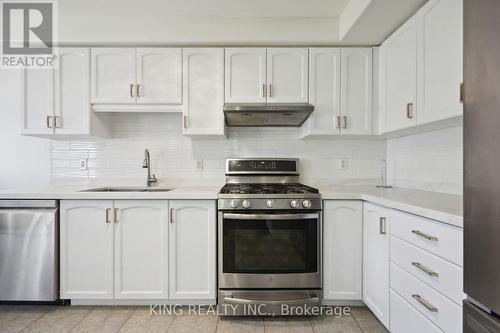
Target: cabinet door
(324, 92)
(141, 249)
(192, 249)
(287, 75)
(400, 73)
(72, 91)
(113, 75)
(245, 77)
(159, 75)
(356, 91)
(376, 261)
(86, 249)
(38, 101)
(203, 91)
(342, 249)
(440, 60)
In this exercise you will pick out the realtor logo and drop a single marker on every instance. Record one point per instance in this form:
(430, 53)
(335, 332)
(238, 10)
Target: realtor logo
(28, 29)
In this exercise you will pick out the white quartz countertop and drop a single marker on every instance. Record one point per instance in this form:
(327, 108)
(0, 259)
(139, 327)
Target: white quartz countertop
(442, 207)
(438, 206)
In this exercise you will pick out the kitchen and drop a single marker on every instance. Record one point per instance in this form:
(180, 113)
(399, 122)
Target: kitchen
(261, 166)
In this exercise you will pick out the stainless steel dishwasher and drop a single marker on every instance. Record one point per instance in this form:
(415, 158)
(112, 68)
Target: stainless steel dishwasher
(29, 252)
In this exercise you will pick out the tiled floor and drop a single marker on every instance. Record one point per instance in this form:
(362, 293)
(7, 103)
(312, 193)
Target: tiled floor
(52, 319)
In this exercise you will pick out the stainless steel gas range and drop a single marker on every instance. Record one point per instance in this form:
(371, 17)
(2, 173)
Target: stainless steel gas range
(269, 231)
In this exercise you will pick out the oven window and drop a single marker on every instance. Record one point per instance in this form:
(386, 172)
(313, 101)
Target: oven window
(270, 246)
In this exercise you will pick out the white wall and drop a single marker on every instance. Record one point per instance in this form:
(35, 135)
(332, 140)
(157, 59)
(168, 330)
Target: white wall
(173, 155)
(25, 161)
(429, 161)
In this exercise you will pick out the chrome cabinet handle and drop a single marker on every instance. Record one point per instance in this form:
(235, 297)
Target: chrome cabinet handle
(234, 300)
(344, 122)
(107, 215)
(56, 122)
(424, 235)
(115, 215)
(172, 215)
(338, 122)
(424, 269)
(184, 122)
(270, 90)
(426, 304)
(131, 90)
(138, 90)
(461, 92)
(49, 122)
(263, 90)
(382, 229)
(409, 110)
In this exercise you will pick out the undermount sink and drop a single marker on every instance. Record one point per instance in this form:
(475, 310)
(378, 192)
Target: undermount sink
(128, 189)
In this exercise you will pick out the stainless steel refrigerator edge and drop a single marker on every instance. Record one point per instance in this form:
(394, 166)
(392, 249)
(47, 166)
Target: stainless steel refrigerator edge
(482, 165)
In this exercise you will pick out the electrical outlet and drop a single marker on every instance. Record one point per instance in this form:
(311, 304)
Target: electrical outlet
(343, 165)
(84, 164)
(198, 165)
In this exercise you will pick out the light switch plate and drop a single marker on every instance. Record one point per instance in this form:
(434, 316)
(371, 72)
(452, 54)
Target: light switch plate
(198, 165)
(343, 165)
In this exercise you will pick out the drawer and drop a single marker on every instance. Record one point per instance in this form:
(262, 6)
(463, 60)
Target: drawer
(441, 239)
(406, 319)
(446, 314)
(438, 273)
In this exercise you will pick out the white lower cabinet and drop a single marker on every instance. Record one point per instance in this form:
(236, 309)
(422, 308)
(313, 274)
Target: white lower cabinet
(141, 249)
(192, 249)
(86, 249)
(376, 261)
(128, 250)
(342, 250)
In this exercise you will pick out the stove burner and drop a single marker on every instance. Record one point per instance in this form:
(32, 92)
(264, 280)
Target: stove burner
(250, 188)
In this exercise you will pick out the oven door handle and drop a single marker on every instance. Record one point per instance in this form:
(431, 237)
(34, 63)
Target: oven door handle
(232, 300)
(233, 216)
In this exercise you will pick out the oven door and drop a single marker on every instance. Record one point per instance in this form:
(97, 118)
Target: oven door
(260, 251)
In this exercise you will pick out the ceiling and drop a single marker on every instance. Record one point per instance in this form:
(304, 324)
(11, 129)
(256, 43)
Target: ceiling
(232, 22)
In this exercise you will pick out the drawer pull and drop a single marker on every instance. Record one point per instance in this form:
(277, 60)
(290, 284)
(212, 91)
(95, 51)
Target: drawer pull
(424, 269)
(426, 304)
(424, 235)
(382, 223)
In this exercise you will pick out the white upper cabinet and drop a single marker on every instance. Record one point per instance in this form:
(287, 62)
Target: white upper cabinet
(57, 101)
(376, 261)
(356, 87)
(72, 95)
(113, 75)
(141, 249)
(203, 91)
(86, 249)
(245, 75)
(192, 249)
(287, 75)
(399, 68)
(342, 250)
(38, 101)
(440, 60)
(324, 92)
(159, 76)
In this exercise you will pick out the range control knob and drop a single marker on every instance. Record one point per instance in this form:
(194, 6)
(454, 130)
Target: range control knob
(246, 204)
(306, 203)
(294, 204)
(233, 203)
(270, 203)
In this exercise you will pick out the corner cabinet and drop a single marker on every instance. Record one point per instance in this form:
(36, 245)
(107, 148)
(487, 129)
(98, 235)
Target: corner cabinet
(342, 250)
(138, 250)
(203, 71)
(340, 88)
(192, 249)
(376, 261)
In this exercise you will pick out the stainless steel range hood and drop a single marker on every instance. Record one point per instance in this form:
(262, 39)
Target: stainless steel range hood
(266, 115)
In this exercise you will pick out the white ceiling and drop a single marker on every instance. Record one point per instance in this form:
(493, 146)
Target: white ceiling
(232, 22)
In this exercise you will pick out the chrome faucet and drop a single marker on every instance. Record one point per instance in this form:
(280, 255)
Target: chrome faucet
(147, 164)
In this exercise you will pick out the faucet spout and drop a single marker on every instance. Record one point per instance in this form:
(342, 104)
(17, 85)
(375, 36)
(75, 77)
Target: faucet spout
(147, 164)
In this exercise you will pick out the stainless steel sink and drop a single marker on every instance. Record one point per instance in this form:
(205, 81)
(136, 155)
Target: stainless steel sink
(128, 189)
